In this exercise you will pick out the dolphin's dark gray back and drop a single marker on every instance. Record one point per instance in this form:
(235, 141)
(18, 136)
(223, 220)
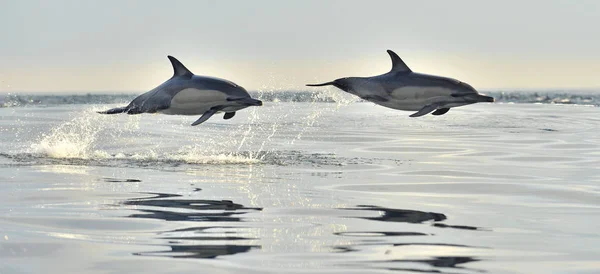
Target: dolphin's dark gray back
(391, 81)
(160, 97)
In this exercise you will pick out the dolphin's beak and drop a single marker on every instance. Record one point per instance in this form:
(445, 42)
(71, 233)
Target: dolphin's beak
(254, 102)
(488, 98)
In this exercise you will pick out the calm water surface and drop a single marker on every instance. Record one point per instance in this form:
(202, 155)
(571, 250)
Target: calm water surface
(301, 188)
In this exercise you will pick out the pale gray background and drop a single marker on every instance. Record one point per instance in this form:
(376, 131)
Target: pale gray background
(114, 45)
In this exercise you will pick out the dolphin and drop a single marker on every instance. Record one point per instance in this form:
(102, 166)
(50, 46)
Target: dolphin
(189, 94)
(403, 89)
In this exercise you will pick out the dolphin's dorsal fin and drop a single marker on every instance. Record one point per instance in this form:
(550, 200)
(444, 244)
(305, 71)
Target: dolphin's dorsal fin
(397, 64)
(179, 69)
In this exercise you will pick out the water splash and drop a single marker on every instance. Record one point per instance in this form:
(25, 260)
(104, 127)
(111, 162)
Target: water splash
(87, 135)
(72, 139)
(93, 136)
(196, 155)
(341, 99)
(255, 117)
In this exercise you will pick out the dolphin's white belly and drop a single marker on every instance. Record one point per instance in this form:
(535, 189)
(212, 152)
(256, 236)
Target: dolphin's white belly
(414, 98)
(193, 101)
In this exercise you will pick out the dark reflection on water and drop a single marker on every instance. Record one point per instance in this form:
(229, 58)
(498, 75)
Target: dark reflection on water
(115, 180)
(200, 251)
(346, 248)
(408, 216)
(205, 234)
(391, 239)
(457, 226)
(434, 244)
(379, 233)
(444, 262)
(201, 241)
(220, 228)
(199, 210)
(400, 215)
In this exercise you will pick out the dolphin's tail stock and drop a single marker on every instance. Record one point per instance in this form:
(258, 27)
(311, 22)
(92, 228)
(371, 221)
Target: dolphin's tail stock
(114, 110)
(321, 85)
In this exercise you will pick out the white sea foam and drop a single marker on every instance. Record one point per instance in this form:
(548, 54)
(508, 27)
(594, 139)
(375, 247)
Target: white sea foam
(94, 137)
(80, 138)
(72, 139)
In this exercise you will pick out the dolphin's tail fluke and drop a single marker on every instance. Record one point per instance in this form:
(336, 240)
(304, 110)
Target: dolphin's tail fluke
(114, 110)
(320, 85)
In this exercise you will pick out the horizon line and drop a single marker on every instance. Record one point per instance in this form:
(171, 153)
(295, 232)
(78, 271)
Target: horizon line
(83, 92)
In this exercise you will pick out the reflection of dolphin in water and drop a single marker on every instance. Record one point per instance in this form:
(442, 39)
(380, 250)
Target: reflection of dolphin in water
(196, 210)
(189, 94)
(200, 251)
(400, 215)
(409, 216)
(406, 90)
(191, 242)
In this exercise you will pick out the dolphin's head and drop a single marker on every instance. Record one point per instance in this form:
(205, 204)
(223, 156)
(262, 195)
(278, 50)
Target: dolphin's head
(456, 85)
(464, 87)
(468, 93)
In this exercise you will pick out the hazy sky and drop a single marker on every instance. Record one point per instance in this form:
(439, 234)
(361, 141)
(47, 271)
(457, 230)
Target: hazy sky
(281, 44)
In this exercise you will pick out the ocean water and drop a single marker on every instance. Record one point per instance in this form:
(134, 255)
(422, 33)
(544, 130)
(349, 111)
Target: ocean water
(301, 186)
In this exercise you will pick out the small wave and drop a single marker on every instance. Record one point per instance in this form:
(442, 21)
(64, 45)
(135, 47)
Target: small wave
(143, 160)
(16, 100)
(328, 95)
(186, 160)
(96, 140)
(78, 139)
(572, 98)
(185, 157)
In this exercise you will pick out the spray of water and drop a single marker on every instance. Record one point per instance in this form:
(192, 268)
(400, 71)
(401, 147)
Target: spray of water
(100, 137)
(97, 137)
(72, 139)
(341, 99)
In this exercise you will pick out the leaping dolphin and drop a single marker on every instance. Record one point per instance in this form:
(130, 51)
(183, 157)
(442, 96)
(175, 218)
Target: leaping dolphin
(189, 94)
(403, 89)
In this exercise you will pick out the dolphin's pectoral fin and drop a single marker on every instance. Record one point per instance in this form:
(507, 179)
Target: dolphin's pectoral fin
(228, 115)
(205, 116)
(425, 110)
(440, 111)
